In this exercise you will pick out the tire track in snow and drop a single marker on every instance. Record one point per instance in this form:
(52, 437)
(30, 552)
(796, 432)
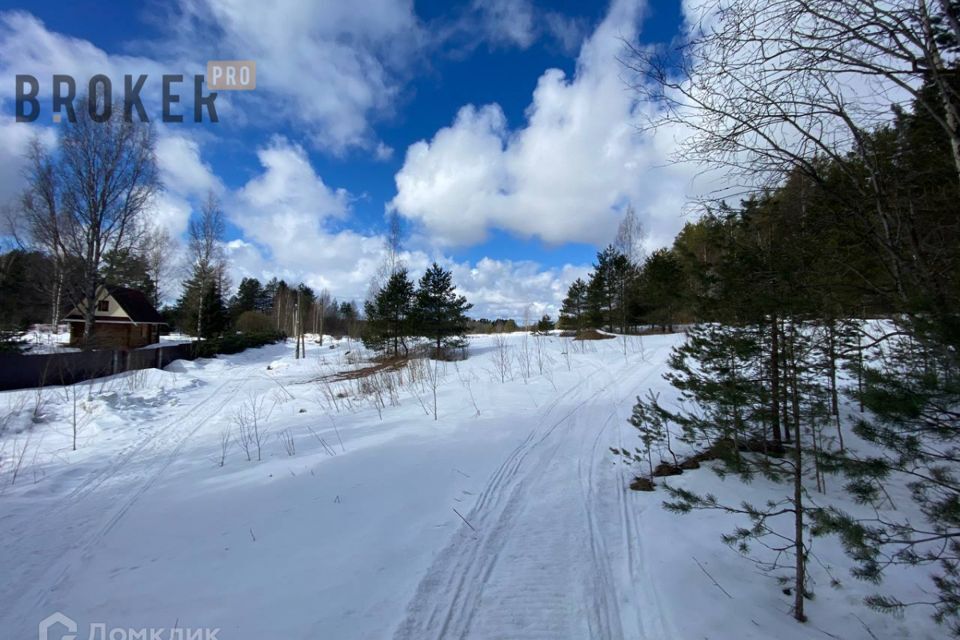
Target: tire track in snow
(84, 528)
(613, 626)
(597, 490)
(644, 600)
(510, 575)
(110, 469)
(510, 465)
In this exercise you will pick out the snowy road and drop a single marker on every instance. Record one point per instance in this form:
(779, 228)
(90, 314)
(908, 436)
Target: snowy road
(506, 517)
(542, 552)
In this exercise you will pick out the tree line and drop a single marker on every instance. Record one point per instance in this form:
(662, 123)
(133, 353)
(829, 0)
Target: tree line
(850, 216)
(275, 305)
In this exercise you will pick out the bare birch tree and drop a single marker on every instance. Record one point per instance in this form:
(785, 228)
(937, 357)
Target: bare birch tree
(768, 85)
(157, 248)
(392, 262)
(206, 251)
(87, 196)
(630, 237)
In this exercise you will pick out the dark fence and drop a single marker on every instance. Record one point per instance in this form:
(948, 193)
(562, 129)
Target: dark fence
(24, 371)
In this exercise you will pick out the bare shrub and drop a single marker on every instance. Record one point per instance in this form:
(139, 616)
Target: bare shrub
(467, 384)
(39, 411)
(371, 389)
(538, 351)
(225, 437)
(331, 394)
(333, 422)
(35, 468)
(435, 373)
(289, 445)
(524, 359)
(135, 380)
(79, 410)
(323, 443)
(418, 393)
(502, 361)
(417, 372)
(19, 454)
(73, 421)
(249, 420)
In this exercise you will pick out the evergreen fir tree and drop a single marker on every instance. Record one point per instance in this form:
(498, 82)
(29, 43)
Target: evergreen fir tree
(659, 288)
(126, 268)
(249, 297)
(545, 324)
(388, 315)
(439, 313)
(574, 310)
(201, 304)
(653, 431)
(610, 290)
(911, 397)
(347, 311)
(719, 372)
(270, 293)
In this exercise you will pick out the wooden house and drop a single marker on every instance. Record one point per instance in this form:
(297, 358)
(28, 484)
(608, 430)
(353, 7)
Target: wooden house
(125, 319)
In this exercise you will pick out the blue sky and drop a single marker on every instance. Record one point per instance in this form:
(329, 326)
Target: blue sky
(502, 132)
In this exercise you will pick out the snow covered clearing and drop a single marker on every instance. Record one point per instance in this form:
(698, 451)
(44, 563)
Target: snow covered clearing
(361, 514)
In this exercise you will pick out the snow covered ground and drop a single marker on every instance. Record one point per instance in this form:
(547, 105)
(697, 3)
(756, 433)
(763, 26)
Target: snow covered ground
(505, 517)
(42, 339)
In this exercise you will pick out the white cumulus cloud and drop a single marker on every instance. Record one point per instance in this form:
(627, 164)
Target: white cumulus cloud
(566, 175)
(330, 67)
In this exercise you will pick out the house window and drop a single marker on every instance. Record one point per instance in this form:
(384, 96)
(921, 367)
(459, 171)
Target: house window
(103, 305)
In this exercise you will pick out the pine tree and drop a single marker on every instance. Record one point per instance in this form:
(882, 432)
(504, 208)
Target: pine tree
(868, 229)
(249, 297)
(201, 304)
(660, 288)
(202, 299)
(388, 315)
(126, 268)
(574, 310)
(439, 313)
(270, 293)
(348, 312)
(653, 431)
(303, 301)
(281, 306)
(719, 372)
(25, 297)
(911, 397)
(545, 324)
(610, 290)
